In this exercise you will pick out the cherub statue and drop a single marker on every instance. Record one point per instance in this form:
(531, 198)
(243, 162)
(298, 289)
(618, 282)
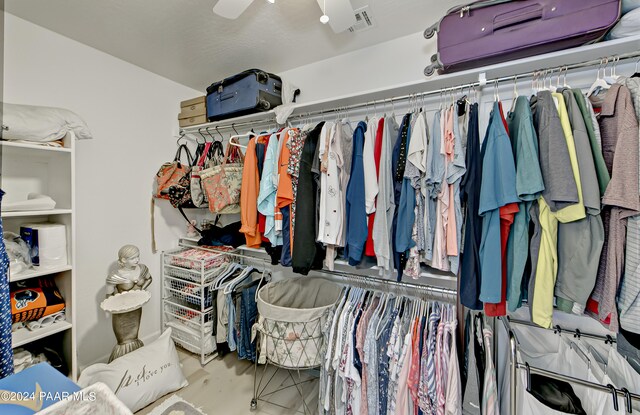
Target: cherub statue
(130, 274)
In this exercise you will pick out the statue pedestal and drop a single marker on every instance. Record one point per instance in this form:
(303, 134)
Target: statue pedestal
(126, 312)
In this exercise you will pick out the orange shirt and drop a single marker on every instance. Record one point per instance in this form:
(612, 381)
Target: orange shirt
(284, 195)
(249, 197)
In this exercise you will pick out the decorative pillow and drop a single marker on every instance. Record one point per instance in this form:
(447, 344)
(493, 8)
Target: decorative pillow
(41, 124)
(142, 376)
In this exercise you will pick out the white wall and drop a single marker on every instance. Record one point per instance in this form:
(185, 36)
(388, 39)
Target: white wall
(395, 62)
(132, 114)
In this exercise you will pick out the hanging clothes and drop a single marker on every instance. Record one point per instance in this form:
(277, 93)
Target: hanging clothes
(249, 197)
(377, 151)
(331, 194)
(295, 145)
(284, 196)
(629, 295)
(269, 188)
(370, 173)
(307, 253)
(529, 186)
(415, 174)
(498, 190)
(580, 242)
(470, 275)
(471, 377)
(407, 200)
(442, 205)
(398, 161)
(554, 132)
(456, 168)
(386, 207)
(619, 128)
(346, 143)
(434, 179)
(6, 351)
(490, 403)
(595, 141)
(356, 204)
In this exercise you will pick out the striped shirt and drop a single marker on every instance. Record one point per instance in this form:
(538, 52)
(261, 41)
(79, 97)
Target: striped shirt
(629, 296)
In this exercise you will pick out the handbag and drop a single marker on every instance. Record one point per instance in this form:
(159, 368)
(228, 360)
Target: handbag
(171, 173)
(222, 183)
(212, 155)
(180, 193)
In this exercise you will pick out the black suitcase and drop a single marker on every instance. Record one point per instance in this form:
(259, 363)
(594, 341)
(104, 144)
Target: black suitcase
(248, 92)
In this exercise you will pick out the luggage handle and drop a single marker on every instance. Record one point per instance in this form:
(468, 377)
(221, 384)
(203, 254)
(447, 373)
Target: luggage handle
(226, 96)
(518, 17)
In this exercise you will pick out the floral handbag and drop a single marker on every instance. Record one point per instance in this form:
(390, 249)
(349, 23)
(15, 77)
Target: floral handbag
(212, 155)
(222, 183)
(171, 173)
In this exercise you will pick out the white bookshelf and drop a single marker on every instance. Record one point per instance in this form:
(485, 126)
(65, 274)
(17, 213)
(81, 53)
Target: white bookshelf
(32, 168)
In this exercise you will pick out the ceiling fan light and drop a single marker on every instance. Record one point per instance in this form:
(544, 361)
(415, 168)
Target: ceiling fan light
(324, 19)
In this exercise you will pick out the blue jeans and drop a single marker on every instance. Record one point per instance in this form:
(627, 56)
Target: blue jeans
(231, 332)
(285, 260)
(248, 316)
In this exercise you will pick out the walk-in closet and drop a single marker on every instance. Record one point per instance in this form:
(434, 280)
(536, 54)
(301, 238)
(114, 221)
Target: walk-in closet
(333, 207)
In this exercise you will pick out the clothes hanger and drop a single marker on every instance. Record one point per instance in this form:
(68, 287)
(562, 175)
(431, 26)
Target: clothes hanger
(378, 333)
(181, 137)
(599, 83)
(219, 133)
(613, 77)
(201, 135)
(515, 93)
(206, 129)
(233, 140)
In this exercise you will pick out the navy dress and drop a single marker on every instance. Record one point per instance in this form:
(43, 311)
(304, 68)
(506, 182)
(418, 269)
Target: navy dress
(6, 352)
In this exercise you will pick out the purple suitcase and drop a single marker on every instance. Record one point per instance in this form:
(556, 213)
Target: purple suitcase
(486, 32)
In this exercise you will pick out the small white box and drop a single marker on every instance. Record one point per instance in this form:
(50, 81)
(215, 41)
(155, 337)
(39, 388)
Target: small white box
(52, 243)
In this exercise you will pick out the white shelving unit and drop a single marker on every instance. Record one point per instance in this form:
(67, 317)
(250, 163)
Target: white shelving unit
(31, 168)
(187, 302)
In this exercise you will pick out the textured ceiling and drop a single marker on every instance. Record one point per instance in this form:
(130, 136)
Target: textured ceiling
(185, 41)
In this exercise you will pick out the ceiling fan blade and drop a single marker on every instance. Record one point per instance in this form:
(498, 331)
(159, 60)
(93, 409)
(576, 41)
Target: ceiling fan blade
(231, 9)
(340, 12)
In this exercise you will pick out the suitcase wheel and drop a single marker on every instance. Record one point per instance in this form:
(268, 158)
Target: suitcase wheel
(430, 31)
(434, 58)
(264, 105)
(429, 70)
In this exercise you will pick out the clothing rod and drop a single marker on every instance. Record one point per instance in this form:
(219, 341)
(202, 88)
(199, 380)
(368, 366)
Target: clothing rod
(560, 330)
(437, 293)
(571, 379)
(613, 60)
